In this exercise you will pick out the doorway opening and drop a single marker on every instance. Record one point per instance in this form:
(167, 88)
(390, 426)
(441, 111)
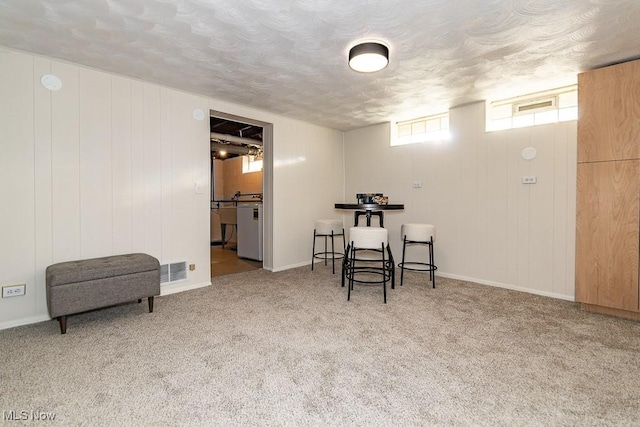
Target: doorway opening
(240, 207)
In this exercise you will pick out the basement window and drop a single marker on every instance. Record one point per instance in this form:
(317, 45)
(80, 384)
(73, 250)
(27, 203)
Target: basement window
(552, 106)
(251, 164)
(424, 129)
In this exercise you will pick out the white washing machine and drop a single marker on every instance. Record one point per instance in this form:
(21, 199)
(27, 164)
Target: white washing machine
(250, 231)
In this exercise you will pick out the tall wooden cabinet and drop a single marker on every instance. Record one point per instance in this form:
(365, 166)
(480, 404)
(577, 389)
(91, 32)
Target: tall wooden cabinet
(608, 205)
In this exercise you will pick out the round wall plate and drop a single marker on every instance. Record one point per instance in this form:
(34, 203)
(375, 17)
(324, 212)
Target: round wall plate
(198, 114)
(51, 82)
(529, 153)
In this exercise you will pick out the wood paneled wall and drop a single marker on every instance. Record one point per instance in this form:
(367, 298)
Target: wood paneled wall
(491, 228)
(108, 165)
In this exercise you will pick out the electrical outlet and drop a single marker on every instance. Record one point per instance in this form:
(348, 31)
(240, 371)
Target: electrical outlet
(192, 267)
(416, 184)
(532, 179)
(13, 290)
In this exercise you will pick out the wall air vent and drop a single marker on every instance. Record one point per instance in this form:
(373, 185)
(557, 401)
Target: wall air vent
(173, 272)
(528, 107)
(164, 273)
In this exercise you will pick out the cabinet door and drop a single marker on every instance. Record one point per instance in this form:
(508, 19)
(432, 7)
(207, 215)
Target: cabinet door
(609, 113)
(607, 235)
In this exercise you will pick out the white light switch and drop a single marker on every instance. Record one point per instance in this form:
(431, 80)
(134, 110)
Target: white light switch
(416, 184)
(531, 179)
(198, 187)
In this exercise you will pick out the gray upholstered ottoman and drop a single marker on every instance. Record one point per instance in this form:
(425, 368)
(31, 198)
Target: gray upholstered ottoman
(77, 286)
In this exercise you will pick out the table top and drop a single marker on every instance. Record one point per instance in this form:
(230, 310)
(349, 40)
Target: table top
(370, 206)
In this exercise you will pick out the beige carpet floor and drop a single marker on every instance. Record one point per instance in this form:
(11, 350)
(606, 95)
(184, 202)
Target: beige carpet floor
(287, 349)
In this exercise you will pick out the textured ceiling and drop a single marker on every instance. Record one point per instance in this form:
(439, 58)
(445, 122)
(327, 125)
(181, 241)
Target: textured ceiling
(290, 57)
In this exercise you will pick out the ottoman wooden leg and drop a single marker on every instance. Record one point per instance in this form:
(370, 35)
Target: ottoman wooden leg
(63, 324)
(150, 304)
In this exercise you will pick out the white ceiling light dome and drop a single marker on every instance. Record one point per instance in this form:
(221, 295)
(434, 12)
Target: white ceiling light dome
(369, 56)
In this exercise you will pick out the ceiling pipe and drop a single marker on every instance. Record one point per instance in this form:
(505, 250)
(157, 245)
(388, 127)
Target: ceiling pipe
(235, 149)
(237, 139)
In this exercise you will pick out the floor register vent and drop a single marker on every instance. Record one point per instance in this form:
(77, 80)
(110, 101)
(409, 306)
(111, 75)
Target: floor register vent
(174, 272)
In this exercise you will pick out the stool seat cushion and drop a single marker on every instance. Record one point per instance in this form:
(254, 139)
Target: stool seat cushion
(368, 237)
(418, 232)
(327, 226)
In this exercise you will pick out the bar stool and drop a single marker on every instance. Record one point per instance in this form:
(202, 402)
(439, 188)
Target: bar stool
(369, 259)
(418, 234)
(328, 228)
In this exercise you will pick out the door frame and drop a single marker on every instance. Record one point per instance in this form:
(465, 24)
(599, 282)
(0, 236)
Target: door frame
(267, 182)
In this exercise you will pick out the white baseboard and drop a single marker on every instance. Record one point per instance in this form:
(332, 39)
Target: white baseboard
(181, 287)
(290, 266)
(468, 279)
(507, 286)
(164, 290)
(25, 321)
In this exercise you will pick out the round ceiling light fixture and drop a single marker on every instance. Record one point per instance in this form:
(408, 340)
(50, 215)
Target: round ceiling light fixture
(368, 57)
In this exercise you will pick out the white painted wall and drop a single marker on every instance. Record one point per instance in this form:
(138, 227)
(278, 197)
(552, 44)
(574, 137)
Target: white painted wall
(107, 165)
(491, 228)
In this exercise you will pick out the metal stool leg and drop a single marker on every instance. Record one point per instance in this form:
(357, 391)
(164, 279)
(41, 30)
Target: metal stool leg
(313, 249)
(325, 250)
(333, 256)
(345, 263)
(433, 264)
(384, 276)
(404, 247)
